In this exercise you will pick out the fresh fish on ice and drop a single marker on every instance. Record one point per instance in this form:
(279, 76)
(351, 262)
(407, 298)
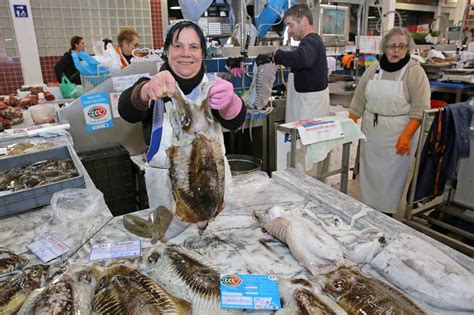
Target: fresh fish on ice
(67, 293)
(121, 289)
(308, 243)
(9, 261)
(186, 275)
(15, 290)
(359, 246)
(300, 297)
(426, 273)
(358, 294)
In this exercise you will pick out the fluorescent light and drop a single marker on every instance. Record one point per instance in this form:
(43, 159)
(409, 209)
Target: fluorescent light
(175, 7)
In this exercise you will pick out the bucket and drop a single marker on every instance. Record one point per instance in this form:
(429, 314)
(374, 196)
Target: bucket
(243, 164)
(437, 104)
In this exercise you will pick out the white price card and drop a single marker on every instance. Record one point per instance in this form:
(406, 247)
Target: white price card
(48, 248)
(319, 129)
(116, 250)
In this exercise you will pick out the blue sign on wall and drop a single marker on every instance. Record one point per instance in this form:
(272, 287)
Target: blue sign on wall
(20, 10)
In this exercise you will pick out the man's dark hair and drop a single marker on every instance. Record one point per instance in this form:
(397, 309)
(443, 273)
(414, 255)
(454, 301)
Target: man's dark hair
(298, 11)
(176, 29)
(75, 40)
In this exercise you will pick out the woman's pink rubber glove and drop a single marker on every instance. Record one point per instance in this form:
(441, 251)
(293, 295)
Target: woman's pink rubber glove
(223, 99)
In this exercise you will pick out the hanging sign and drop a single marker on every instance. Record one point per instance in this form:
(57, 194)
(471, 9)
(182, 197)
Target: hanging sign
(20, 10)
(97, 112)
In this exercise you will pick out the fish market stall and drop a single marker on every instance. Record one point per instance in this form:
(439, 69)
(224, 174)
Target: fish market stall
(236, 243)
(21, 230)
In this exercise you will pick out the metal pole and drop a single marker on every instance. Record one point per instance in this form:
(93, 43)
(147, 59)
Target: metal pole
(346, 147)
(293, 133)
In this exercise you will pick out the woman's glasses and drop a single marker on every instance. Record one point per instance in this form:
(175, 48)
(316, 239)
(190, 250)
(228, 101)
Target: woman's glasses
(395, 47)
(136, 45)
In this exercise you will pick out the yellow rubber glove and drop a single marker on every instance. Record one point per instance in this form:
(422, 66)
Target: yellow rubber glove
(353, 117)
(403, 143)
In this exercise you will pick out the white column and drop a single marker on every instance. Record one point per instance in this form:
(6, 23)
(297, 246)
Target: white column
(26, 43)
(458, 13)
(389, 20)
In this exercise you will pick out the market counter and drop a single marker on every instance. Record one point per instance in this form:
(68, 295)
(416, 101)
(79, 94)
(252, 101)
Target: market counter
(18, 231)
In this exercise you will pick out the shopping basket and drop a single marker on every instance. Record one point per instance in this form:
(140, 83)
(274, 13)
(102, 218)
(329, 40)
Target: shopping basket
(91, 81)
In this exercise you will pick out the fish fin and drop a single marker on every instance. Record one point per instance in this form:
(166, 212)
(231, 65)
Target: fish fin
(159, 222)
(136, 225)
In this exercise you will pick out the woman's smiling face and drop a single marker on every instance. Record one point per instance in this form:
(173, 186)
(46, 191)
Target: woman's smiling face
(185, 53)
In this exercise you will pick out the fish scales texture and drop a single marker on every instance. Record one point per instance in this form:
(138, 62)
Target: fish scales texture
(358, 294)
(126, 291)
(426, 273)
(15, 290)
(197, 170)
(188, 276)
(197, 178)
(9, 261)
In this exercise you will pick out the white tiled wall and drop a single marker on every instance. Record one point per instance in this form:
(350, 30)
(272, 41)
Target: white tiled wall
(56, 21)
(6, 29)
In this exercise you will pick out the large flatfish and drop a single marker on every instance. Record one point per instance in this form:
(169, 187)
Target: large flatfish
(122, 289)
(9, 261)
(308, 243)
(426, 273)
(15, 290)
(301, 297)
(186, 275)
(70, 292)
(197, 169)
(358, 294)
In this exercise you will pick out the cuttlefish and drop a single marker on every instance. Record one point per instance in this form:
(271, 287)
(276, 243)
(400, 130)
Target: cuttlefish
(196, 170)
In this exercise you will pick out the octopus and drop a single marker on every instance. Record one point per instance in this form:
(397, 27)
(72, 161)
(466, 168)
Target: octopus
(186, 275)
(358, 294)
(196, 171)
(9, 261)
(122, 289)
(15, 290)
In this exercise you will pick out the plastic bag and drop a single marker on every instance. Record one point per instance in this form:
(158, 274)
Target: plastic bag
(86, 64)
(73, 203)
(69, 89)
(107, 57)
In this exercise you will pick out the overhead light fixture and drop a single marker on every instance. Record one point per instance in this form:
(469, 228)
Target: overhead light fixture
(175, 7)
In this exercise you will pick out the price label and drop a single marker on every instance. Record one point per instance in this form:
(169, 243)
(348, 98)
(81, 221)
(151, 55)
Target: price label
(48, 248)
(115, 250)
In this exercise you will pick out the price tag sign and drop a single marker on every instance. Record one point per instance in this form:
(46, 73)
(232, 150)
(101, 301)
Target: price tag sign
(48, 248)
(122, 249)
(252, 292)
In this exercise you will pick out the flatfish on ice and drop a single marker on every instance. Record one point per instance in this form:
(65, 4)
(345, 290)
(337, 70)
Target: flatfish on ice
(186, 275)
(358, 294)
(301, 297)
(9, 261)
(426, 273)
(122, 289)
(15, 290)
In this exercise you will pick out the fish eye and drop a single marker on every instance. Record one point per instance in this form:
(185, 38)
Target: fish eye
(153, 258)
(338, 285)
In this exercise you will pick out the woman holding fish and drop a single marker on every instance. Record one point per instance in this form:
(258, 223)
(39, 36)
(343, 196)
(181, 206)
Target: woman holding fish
(182, 110)
(390, 98)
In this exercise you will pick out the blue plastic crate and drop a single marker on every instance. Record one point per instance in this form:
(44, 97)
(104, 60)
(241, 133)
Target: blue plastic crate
(25, 200)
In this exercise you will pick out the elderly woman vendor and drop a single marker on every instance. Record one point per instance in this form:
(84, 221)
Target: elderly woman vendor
(390, 98)
(185, 47)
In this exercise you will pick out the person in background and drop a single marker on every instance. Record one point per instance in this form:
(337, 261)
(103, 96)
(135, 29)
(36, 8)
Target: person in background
(65, 65)
(390, 97)
(128, 40)
(184, 50)
(307, 86)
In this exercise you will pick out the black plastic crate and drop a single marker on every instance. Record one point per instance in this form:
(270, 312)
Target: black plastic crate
(112, 172)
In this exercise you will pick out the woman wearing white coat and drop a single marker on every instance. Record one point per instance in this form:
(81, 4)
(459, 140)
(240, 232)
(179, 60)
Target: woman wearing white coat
(390, 98)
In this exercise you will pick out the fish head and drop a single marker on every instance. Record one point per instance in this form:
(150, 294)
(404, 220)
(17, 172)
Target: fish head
(151, 258)
(338, 282)
(37, 273)
(286, 287)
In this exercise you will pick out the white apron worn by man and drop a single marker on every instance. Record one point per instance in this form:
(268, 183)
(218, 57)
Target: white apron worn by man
(306, 106)
(383, 173)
